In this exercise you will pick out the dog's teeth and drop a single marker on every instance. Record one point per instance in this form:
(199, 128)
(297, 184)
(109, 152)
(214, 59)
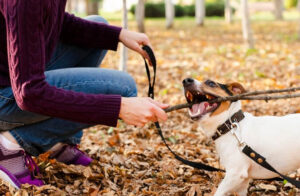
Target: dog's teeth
(209, 97)
(190, 113)
(190, 96)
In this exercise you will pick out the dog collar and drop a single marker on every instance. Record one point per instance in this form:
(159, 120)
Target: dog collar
(227, 126)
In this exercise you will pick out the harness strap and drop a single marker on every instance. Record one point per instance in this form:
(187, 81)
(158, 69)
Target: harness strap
(197, 165)
(263, 162)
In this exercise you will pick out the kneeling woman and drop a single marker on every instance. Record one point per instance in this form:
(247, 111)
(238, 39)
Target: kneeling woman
(51, 88)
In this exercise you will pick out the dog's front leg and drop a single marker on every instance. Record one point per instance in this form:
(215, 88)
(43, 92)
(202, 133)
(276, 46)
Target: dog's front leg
(234, 182)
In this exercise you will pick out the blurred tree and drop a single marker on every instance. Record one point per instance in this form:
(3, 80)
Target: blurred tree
(247, 32)
(92, 7)
(124, 52)
(228, 11)
(170, 13)
(278, 9)
(200, 12)
(69, 6)
(298, 7)
(140, 15)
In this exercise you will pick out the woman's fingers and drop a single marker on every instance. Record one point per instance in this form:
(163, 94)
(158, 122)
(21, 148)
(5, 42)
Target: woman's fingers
(161, 105)
(160, 114)
(135, 41)
(158, 110)
(139, 111)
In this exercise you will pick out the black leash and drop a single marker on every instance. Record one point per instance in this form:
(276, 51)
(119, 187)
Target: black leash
(247, 150)
(197, 165)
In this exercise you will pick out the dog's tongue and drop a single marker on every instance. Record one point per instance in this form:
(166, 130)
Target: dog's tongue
(202, 106)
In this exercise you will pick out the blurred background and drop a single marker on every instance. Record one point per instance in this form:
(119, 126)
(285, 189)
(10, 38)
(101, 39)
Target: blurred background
(253, 42)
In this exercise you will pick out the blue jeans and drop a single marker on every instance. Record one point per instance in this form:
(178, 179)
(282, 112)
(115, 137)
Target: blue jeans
(71, 68)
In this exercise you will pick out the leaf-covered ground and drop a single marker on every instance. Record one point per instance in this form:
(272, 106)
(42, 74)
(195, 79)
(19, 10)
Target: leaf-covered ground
(133, 161)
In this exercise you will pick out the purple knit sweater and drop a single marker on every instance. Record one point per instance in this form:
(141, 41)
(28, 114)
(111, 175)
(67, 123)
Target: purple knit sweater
(29, 32)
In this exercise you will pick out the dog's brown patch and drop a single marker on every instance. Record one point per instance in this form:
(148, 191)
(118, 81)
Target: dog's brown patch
(236, 88)
(223, 107)
(219, 92)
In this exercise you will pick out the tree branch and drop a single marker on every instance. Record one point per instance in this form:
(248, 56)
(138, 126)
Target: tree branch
(271, 91)
(243, 97)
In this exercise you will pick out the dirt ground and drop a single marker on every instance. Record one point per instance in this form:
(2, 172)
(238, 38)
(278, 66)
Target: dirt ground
(133, 161)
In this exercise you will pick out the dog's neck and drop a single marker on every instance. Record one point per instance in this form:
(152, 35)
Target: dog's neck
(211, 123)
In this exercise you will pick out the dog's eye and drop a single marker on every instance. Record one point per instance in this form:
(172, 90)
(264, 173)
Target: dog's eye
(211, 83)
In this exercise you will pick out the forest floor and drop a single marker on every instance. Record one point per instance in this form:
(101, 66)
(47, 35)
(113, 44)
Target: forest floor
(134, 161)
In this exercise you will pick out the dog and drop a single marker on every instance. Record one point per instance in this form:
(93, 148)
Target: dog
(275, 138)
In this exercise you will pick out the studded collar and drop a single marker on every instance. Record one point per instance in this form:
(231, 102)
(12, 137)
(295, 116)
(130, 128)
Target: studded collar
(227, 126)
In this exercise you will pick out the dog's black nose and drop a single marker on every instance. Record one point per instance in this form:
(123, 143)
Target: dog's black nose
(188, 81)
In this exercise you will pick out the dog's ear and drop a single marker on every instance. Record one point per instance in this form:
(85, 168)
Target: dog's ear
(236, 88)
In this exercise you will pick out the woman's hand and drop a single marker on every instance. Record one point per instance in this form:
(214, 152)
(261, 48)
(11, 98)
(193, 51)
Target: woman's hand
(139, 111)
(134, 41)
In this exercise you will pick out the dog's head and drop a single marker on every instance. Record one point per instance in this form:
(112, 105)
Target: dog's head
(199, 93)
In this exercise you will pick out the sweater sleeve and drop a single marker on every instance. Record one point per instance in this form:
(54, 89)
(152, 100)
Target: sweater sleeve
(86, 33)
(26, 46)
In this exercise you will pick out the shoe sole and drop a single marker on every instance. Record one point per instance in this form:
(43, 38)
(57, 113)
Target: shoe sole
(6, 176)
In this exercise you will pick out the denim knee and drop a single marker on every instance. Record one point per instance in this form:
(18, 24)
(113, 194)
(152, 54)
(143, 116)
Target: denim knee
(131, 86)
(96, 18)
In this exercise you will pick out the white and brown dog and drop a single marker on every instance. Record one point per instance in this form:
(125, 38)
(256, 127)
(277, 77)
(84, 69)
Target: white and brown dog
(275, 138)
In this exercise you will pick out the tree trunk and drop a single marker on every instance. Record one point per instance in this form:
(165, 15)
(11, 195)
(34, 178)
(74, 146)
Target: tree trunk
(247, 32)
(278, 4)
(170, 13)
(69, 7)
(200, 12)
(124, 52)
(298, 7)
(92, 7)
(228, 11)
(140, 15)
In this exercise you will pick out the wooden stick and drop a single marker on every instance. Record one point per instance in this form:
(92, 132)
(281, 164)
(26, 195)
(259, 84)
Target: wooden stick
(238, 97)
(178, 107)
(271, 91)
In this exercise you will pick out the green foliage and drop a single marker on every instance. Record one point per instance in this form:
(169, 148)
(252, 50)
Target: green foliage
(179, 11)
(157, 10)
(290, 3)
(211, 9)
(215, 9)
(152, 10)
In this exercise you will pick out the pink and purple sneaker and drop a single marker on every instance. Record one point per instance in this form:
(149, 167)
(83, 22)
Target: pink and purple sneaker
(70, 154)
(17, 168)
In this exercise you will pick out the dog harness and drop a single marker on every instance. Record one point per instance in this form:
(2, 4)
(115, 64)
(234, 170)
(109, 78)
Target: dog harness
(231, 125)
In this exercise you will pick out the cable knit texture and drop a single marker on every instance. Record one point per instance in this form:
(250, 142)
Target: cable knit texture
(29, 32)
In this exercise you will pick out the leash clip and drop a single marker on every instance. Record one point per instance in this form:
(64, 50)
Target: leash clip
(234, 127)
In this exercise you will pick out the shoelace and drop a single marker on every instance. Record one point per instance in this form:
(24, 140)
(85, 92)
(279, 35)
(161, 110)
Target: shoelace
(31, 165)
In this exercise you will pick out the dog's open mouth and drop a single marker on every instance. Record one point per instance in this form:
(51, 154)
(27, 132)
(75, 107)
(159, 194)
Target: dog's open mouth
(200, 106)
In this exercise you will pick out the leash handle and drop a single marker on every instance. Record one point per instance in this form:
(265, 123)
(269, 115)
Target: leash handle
(196, 165)
(153, 62)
